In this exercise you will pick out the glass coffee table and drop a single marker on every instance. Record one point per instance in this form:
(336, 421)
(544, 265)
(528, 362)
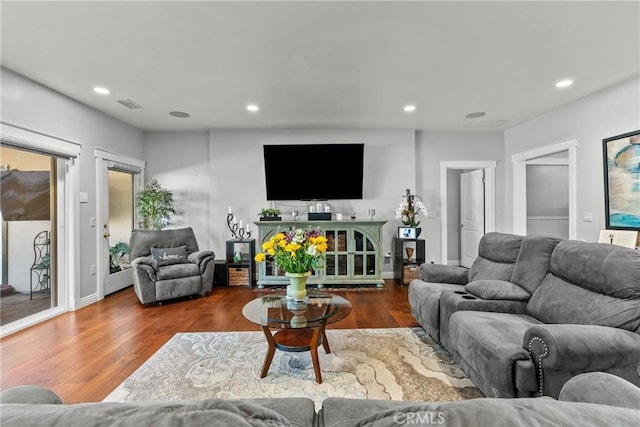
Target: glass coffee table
(300, 325)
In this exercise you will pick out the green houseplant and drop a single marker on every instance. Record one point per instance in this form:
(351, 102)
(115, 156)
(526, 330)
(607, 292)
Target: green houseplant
(154, 206)
(116, 256)
(270, 214)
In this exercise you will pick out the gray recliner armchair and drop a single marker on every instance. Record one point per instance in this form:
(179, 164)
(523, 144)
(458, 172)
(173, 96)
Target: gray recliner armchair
(168, 264)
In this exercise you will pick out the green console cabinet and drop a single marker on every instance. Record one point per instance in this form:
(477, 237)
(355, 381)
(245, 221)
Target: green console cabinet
(354, 253)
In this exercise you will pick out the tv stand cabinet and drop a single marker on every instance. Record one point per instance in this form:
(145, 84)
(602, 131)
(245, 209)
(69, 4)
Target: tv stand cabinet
(354, 253)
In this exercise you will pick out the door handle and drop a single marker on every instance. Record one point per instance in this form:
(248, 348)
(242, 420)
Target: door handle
(106, 235)
(461, 225)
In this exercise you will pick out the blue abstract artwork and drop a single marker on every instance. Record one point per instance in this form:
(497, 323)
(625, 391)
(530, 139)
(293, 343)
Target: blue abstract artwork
(622, 181)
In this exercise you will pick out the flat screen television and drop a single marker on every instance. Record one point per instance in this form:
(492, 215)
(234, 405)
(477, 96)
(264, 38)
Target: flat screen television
(314, 171)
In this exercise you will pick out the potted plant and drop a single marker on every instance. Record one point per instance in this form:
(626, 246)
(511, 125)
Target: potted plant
(270, 214)
(116, 256)
(297, 252)
(154, 206)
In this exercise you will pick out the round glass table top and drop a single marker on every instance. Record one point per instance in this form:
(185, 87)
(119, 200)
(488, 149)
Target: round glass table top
(277, 311)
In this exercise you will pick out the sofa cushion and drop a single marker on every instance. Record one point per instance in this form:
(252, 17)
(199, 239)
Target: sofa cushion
(29, 394)
(170, 413)
(177, 271)
(602, 388)
(497, 290)
(558, 301)
(599, 267)
(590, 284)
(497, 254)
(533, 260)
(490, 344)
(540, 411)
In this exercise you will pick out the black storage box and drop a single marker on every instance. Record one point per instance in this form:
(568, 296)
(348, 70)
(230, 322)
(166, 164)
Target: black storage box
(319, 216)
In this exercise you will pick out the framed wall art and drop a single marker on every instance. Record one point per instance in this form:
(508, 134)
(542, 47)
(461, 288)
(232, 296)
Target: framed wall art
(622, 181)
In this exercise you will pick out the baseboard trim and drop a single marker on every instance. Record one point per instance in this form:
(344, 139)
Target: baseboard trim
(85, 301)
(388, 275)
(453, 262)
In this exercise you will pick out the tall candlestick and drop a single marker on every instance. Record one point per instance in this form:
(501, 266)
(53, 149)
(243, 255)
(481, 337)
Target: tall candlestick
(230, 210)
(235, 220)
(241, 226)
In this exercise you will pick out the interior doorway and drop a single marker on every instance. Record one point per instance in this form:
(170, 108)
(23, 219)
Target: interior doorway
(450, 221)
(544, 155)
(548, 195)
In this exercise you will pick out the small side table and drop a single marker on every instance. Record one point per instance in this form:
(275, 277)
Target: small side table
(241, 272)
(408, 269)
(300, 325)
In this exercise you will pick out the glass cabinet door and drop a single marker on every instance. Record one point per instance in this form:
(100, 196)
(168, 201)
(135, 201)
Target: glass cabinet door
(336, 263)
(364, 255)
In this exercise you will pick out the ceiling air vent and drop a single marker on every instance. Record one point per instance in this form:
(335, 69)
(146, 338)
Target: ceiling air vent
(130, 104)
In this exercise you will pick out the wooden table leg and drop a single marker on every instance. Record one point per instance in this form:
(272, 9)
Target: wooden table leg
(314, 352)
(325, 342)
(271, 350)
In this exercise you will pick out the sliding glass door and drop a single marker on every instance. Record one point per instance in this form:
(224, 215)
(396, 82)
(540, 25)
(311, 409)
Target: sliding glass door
(28, 201)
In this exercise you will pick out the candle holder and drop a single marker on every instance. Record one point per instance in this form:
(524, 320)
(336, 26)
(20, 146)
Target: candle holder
(237, 232)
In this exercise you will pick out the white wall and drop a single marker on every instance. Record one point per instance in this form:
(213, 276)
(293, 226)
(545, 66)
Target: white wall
(434, 146)
(613, 111)
(453, 210)
(237, 173)
(180, 163)
(548, 200)
(28, 104)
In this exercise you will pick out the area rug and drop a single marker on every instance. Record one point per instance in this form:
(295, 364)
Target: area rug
(394, 363)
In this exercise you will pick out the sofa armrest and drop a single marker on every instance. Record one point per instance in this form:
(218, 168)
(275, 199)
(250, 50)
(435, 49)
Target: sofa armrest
(145, 260)
(440, 273)
(30, 394)
(582, 348)
(200, 257)
(601, 388)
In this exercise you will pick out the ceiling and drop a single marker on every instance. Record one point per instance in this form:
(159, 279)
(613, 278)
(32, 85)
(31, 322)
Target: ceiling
(323, 64)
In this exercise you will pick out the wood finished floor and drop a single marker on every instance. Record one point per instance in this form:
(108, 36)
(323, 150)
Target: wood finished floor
(83, 355)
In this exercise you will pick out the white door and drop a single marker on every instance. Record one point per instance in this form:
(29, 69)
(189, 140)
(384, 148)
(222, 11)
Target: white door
(471, 215)
(116, 215)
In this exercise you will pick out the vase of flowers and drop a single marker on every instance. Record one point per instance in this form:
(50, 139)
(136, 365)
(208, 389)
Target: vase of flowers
(409, 208)
(297, 252)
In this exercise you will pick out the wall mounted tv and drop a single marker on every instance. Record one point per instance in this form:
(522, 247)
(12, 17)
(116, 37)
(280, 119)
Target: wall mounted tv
(314, 171)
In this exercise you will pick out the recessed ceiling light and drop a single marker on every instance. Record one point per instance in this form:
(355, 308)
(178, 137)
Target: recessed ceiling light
(476, 115)
(252, 107)
(179, 114)
(101, 90)
(564, 83)
(410, 108)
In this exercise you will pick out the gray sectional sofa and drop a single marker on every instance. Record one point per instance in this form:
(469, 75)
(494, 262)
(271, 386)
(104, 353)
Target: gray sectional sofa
(525, 328)
(592, 399)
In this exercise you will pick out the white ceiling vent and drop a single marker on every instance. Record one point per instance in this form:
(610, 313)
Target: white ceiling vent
(130, 104)
(485, 123)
